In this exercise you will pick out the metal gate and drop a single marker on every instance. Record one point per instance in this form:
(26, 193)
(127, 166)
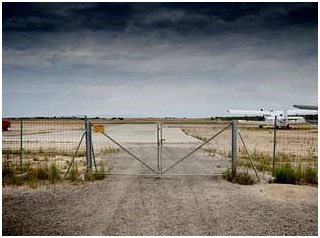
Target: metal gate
(160, 156)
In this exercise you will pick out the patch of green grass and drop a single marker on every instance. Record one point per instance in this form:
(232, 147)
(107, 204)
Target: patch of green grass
(311, 175)
(295, 175)
(27, 175)
(54, 173)
(285, 174)
(42, 173)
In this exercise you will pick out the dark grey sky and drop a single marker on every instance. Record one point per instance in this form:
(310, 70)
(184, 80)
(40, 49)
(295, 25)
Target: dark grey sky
(157, 59)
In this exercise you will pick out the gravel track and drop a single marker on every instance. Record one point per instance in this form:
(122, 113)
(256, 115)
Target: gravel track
(173, 205)
(168, 206)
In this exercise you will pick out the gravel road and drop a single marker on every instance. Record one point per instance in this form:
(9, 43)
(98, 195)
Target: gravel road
(123, 205)
(172, 205)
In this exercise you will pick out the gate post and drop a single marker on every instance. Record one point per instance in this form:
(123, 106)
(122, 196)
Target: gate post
(88, 146)
(234, 148)
(21, 138)
(158, 148)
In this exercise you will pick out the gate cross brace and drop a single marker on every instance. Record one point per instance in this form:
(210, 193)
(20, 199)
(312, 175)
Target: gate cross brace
(134, 156)
(196, 149)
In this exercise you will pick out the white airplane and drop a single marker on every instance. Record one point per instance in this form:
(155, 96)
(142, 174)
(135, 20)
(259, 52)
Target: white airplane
(307, 107)
(284, 117)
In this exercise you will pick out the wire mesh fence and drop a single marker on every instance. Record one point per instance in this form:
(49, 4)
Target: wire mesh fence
(41, 142)
(273, 147)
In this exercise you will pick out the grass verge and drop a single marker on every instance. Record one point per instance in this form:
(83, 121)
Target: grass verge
(295, 175)
(44, 175)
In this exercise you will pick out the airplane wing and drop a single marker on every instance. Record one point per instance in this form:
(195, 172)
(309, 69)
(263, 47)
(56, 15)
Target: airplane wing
(247, 112)
(306, 107)
(301, 112)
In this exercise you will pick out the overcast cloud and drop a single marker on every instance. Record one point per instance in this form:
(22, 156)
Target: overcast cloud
(157, 59)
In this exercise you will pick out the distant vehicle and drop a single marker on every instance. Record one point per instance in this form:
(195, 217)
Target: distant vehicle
(284, 117)
(5, 125)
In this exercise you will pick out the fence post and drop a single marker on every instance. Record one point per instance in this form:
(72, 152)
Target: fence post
(158, 147)
(21, 145)
(274, 144)
(88, 146)
(234, 148)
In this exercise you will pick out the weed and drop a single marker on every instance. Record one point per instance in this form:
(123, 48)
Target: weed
(89, 176)
(228, 176)
(54, 174)
(7, 170)
(295, 175)
(42, 173)
(242, 177)
(285, 174)
(109, 150)
(311, 175)
(9, 175)
(100, 174)
(74, 173)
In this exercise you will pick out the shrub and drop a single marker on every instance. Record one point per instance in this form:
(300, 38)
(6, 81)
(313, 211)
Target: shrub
(299, 173)
(74, 173)
(100, 174)
(89, 176)
(228, 176)
(54, 174)
(7, 171)
(41, 173)
(243, 177)
(31, 178)
(295, 175)
(9, 175)
(311, 175)
(285, 174)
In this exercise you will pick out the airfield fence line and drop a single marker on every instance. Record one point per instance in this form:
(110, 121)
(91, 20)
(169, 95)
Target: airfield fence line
(273, 146)
(38, 142)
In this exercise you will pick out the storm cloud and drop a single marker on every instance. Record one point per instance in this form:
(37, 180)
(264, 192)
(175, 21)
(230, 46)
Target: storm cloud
(157, 59)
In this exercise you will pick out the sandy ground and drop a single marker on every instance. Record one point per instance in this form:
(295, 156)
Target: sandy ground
(301, 140)
(120, 205)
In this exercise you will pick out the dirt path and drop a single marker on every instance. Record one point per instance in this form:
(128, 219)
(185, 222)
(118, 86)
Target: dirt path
(167, 206)
(176, 205)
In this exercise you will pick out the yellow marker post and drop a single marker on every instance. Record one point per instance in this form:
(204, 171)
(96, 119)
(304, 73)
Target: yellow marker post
(98, 128)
